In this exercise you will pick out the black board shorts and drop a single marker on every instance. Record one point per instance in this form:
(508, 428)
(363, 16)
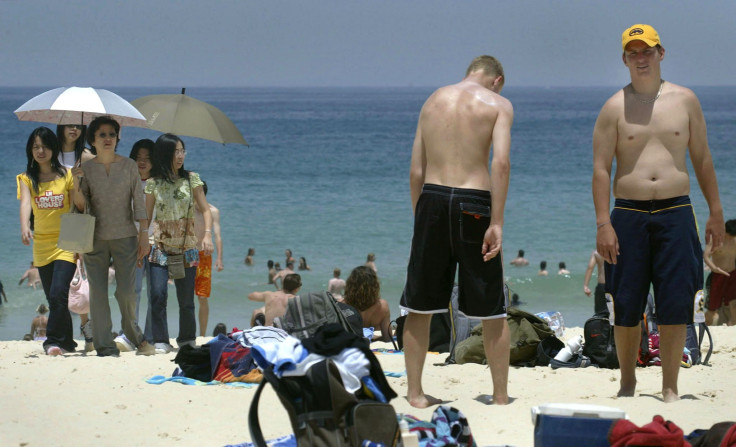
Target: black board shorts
(658, 245)
(449, 226)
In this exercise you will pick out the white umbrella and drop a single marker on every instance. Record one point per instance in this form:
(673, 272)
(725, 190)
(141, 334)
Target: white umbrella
(79, 105)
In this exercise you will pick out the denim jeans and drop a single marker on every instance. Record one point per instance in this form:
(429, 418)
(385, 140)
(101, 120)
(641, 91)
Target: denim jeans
(55, 278)
(159, 298)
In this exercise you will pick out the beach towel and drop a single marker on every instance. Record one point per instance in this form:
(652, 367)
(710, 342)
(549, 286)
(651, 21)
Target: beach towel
(656, 433)
(448, 427)
(231, 361)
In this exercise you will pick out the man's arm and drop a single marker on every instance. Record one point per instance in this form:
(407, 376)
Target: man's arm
(218, 238)
(202, 204)
(258, 296)
(605, 135)
(500, 167)
(704, 171)
(707, 257)
(418, 166)
(589, 273)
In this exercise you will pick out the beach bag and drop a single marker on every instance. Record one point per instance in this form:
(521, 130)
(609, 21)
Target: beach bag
(307, 312)
(323, 413)
(175, 265)
(600, 345)
(77, 232)
(526, 331)
(195, 363)
(79, 291)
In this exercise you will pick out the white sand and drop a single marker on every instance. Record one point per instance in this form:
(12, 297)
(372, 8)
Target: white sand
(79, 400)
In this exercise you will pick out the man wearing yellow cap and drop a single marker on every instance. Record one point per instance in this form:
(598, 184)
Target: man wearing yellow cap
(651, 236)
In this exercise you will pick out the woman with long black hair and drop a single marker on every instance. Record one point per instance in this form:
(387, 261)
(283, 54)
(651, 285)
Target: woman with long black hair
(47, 189)
(174, 192)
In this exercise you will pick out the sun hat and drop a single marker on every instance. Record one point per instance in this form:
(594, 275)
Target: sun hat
(645, 33)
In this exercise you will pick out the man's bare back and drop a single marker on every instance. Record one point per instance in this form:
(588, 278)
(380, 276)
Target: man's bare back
(456, 127)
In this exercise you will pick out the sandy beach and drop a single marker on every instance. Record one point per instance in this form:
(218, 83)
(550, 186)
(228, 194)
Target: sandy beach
(82, 400)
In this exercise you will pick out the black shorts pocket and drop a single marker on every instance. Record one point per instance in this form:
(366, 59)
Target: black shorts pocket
(474, 221)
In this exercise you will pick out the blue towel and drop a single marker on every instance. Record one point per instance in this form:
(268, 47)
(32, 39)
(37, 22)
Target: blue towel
(283, 441)
(158, 380)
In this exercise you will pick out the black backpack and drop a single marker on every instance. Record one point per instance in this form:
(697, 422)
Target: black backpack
(600, 345)
(308, 311)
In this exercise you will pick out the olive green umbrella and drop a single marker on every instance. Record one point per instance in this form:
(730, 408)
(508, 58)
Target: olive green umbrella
(184, 115)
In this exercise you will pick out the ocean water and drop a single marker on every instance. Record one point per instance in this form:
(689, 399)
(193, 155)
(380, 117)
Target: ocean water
(326, 175)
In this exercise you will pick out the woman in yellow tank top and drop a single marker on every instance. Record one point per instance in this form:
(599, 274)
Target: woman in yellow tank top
(46, 188)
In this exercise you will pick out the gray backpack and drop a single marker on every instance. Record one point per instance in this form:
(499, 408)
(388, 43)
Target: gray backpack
(308, 311)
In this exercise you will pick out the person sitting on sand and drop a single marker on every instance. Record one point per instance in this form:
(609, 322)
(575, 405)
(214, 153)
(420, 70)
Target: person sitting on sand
(274, 302)
(39, 323)
(336, 285)
(520, 261)
(363, 292)
(543, 269)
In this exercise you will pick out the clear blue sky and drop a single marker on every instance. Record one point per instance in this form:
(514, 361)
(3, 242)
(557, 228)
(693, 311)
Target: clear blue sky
(352, 43)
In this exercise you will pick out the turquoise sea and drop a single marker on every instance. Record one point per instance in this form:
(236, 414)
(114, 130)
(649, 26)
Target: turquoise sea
(327, 175)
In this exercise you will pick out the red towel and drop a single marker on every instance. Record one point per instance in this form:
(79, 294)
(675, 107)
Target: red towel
(729, 439)
(656, 433)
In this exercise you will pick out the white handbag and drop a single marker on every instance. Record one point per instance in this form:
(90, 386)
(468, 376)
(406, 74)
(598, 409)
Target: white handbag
(77, 232)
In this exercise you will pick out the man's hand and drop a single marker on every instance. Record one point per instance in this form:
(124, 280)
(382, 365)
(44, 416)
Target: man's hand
(207, 246)
(218, 265)
(492, 242)
(715, 230)
(586, 289)
(606, 243)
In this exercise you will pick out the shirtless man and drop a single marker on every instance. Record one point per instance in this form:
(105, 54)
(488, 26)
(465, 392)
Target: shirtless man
(275, 302)
(599, 299)
(649, 127)
(203, 280)
(32, 275)
(450, 182)
(281, 275)
(336, 285)
(520, 260)
(722, 263)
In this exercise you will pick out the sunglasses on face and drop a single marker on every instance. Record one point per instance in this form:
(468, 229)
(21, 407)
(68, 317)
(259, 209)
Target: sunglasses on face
(73, 126)
(104, 135)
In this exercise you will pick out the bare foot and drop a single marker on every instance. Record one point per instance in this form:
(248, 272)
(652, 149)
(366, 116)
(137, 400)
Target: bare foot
(627, 389)
(669, 395)
(54, 350)
(423, 401)
(500, 400)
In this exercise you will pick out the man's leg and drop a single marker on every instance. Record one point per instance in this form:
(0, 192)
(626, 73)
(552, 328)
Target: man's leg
(711, 317)
(627, 350)
(671, 345)
(416, 343)
(496, 345)
(204, 313)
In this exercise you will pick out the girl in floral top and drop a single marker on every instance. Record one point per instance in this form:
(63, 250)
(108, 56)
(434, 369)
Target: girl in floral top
(173, 192)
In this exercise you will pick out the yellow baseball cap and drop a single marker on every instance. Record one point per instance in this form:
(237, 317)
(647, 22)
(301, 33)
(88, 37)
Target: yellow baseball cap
(645, 33)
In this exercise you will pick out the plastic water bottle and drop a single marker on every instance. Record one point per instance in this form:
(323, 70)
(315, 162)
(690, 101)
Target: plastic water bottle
(609, 304)
(699, 311)
(408, 438)
(573, 346)
(555, 322)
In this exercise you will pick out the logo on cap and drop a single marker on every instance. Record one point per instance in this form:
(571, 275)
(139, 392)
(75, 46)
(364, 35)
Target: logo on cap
(636, 31)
